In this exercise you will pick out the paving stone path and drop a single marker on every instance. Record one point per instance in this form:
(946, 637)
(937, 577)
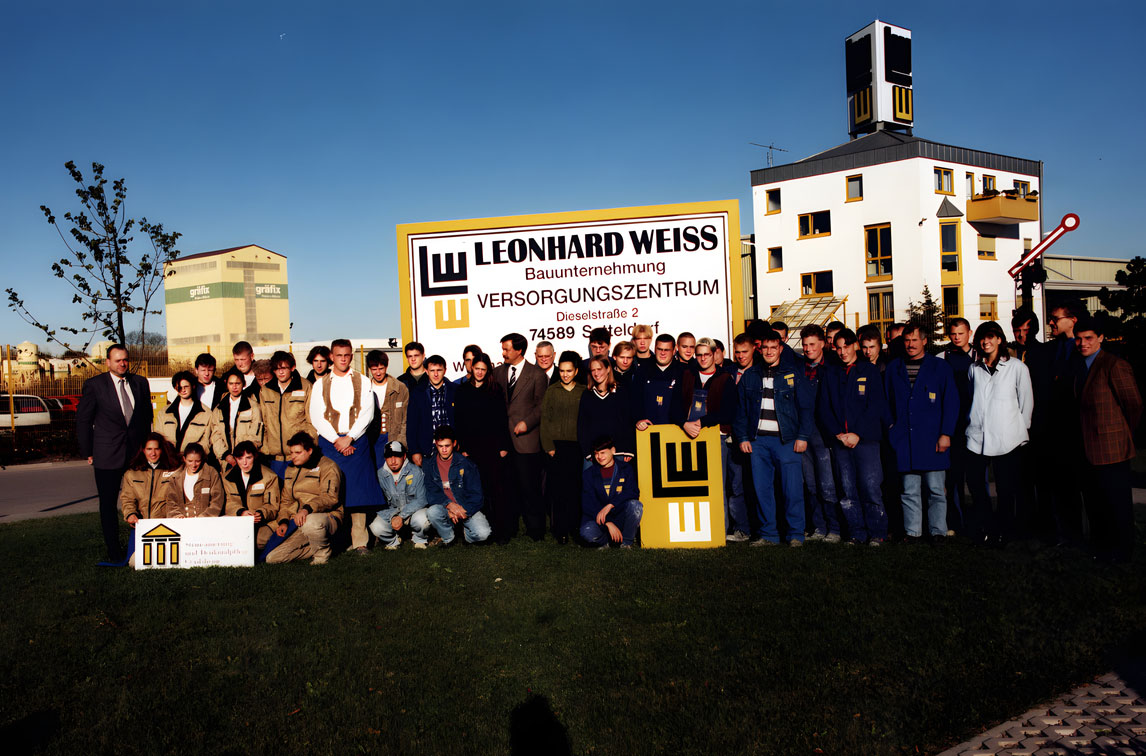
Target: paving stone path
(1106, 717)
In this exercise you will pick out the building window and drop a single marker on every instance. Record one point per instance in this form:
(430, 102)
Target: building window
(855, 188)
(944, 181)
(815, 224)
(880, 309)
(949, 246)
(775, 259)
(772, 201)
(988, 307)
(951, 306)
(877, 242)
(986, 248)
(1023, 187)
(970, 184)
(816, 284)
(988, 183)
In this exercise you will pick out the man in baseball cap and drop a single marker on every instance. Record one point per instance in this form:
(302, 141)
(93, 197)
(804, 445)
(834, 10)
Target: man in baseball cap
(405, 492)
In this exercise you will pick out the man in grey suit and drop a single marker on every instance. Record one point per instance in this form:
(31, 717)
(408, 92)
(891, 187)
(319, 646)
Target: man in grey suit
(523, 386)
(113, 417)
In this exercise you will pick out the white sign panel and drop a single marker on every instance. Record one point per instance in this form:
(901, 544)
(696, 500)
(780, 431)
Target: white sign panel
(557, 277)
(195, 542)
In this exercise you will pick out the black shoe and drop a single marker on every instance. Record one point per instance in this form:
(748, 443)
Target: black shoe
(938, 540)
(913, 540)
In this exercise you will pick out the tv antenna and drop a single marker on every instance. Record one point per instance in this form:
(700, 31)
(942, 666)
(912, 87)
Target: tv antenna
(770, 148)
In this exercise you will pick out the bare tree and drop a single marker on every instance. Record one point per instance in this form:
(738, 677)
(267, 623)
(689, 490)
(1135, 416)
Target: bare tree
(104, 278)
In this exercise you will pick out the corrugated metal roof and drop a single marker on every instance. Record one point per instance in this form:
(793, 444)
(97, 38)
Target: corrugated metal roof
(889, 147)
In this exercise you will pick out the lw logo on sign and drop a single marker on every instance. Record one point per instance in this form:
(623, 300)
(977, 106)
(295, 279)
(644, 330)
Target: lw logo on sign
(683, 476)
(447, 268)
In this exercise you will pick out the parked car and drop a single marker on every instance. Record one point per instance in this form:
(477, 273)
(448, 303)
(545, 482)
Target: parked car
(70, 402)
(31, 411)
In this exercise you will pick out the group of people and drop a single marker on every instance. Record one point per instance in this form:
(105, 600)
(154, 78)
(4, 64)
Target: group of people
(842, 441)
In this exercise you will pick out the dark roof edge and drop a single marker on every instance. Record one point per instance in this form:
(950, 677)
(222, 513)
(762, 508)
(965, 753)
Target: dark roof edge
(917, 148)
(223, 251)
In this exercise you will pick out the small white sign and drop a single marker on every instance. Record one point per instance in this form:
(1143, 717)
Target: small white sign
(195, 542)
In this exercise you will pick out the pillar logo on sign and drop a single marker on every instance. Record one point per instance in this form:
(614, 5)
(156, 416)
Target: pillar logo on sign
(443, 274)
(682, 487)
(161, 546)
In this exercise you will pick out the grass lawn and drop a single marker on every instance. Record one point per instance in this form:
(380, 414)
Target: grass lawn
(471, 650)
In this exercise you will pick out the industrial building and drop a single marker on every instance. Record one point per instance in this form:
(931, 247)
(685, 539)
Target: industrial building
(214, 299)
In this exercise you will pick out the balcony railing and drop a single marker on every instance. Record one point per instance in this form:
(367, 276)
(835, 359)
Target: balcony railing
(1003, 207)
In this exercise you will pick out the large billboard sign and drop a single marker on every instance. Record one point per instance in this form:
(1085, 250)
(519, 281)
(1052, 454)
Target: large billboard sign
(555, 277)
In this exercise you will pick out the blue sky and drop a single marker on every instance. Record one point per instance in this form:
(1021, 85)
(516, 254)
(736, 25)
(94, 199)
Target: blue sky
(313, 129)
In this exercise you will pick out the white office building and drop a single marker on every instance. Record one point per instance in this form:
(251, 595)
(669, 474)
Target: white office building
(855, 232)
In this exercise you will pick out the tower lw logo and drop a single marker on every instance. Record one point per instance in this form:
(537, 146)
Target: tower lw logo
(682, 488)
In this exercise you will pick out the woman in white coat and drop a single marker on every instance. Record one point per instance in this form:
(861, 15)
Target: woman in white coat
(1001, 406)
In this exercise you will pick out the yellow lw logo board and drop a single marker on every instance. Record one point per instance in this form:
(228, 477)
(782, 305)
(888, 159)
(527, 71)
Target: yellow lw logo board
(556, 276)
(682, 488)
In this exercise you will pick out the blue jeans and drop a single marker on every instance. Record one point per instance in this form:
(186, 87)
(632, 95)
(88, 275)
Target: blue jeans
(768, 454)
(735, 507)
(627, 517)
(419, 527)
(475, 527)
(820, 487)
(913, 483)
(861, 475)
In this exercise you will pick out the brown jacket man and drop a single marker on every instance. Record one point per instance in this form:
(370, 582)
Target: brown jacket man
(144, 493)
(208, 499)
(391, 418)
(284, 414)
(260, 494)
(196, 430)
(1110, 408)
(248, 426)
(314, 488)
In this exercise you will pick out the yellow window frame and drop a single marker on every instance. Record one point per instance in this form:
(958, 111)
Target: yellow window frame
(988, 307)
(847, 187)
(988, 183)
(946, 177)
(780, 250)
(815, 293)
(811, 225)
(768, 202)
(881, 253)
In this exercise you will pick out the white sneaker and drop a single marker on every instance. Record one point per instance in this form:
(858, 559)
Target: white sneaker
(421, 545)
(736, 537)
(832, 538)
(817, 536)
(393, 545)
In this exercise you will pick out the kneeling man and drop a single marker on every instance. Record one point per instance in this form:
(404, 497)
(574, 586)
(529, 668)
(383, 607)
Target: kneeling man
(610, 505)
(252, 490)
(405, 492)
(311, 498)
(453, 489)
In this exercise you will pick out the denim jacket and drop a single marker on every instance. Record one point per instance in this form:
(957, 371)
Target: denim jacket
(405, 497)
(465, 483)
(793, 396)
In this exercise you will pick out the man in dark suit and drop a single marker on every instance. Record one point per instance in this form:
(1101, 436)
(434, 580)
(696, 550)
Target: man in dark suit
(112, 419)
(1037, 500)
(523, 386)
(1110, 407)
